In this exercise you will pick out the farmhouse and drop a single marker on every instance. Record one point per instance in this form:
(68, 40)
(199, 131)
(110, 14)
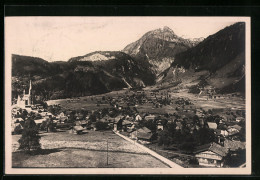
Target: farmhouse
(143, 134)
(138, 117)
(77, 129)
(118, 122)
(159, 125)
(150, 117)
(126, 124)
(234, 145)
(16, 128)
(238, 119)
(233, 131)
(211, 155)
(178, 126)
(39, 121)
(212, 125)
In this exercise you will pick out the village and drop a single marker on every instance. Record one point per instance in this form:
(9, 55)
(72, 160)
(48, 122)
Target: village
(177, 128)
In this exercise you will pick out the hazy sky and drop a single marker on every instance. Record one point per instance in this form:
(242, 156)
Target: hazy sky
(60, 38)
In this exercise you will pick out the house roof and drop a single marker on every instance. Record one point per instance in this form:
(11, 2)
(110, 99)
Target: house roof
(83, 122)
(39, 121)
(233, 145)
(126, 122)
(79, 123)
(144, 130)
(144, 136)
(78, 128)
(212, 125)
(149, 117)
(93, 125)
(63, 118)
(178, 125)
(214, 147)
(237, 127)
(231, 133)
(19, 119)
(217, 131)
(118, 118)
(222, 126)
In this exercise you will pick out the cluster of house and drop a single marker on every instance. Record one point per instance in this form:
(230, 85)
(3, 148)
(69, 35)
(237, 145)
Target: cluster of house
(213, 154)
(40, 113)
(135, 98)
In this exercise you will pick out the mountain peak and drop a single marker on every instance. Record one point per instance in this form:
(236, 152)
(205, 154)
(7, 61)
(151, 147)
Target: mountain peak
(166, 28)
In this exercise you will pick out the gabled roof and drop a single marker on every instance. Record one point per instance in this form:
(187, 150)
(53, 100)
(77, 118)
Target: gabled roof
(19, 119)
(214, 147)
(78, 128)
(240, 118)
(212, 125)
(231, 133)
(126, 122)
(233, 145)
(39, 121)
(178, 125)
(217, 131)
(144, 135)
(237, 127)
(150, 117)
(118, 118)
(144, 130)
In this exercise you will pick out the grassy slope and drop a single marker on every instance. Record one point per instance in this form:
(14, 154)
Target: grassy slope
(87, 151)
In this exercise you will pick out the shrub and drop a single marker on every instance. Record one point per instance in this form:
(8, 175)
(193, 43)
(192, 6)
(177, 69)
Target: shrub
(194, 161)
(194, 89)
(52, 128)
(187, 146)
(101, 125)
(43, 126)
(18, 129)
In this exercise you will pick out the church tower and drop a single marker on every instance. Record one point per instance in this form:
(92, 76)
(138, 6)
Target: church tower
(30, 88)
(26, 100)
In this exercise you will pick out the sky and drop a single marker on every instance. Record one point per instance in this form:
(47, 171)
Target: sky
(60, 38)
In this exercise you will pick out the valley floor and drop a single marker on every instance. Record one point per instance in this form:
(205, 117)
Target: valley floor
(225, 101)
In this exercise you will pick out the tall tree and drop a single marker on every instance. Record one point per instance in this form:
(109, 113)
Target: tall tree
(30, 139)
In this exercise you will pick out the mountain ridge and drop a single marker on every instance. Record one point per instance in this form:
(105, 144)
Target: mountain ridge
(220, 56)
(158, 57)
(159, 46)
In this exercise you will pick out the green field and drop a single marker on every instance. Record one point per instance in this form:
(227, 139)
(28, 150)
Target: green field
(62, 149)
(90, 102)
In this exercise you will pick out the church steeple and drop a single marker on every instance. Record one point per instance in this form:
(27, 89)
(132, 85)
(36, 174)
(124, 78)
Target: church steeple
(30, 88)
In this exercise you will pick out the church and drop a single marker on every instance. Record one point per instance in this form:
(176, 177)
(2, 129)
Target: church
(26, 100)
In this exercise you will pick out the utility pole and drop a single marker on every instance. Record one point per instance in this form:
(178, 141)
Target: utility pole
(107, 152)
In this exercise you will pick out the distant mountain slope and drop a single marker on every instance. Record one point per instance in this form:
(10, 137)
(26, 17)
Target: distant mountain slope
(221, 58)
(159, 47)
(83, 75)
(216, 50)
(27, 65)
(118, 64)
